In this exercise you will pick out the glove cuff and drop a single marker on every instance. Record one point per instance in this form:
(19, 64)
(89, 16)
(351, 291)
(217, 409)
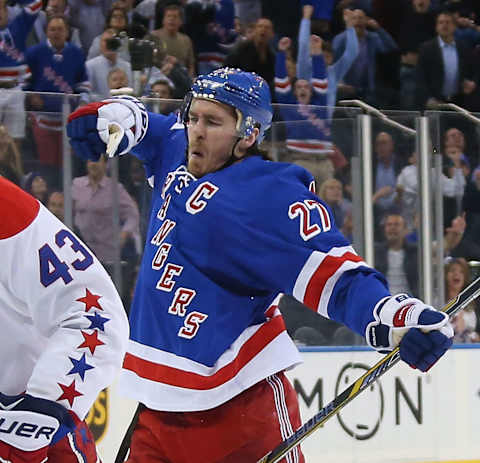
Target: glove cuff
(377, 334)
(30, 423)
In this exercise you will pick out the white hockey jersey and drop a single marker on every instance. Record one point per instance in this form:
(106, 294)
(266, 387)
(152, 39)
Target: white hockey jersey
(63, 325)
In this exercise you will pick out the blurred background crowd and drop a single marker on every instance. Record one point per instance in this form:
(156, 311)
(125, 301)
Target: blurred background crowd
(319, 58)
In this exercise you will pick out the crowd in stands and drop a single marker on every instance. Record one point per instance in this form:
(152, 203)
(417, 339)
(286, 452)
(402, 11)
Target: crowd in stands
(408, 55)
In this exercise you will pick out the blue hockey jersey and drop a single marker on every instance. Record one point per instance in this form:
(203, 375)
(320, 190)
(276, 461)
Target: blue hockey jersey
(56, 71)
(220, 249)
(13, 43)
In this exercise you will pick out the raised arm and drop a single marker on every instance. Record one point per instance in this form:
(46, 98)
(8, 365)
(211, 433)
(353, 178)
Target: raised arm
(283, 87)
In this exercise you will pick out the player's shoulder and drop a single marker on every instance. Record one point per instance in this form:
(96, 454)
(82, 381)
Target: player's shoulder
(273, 178)
(17, 209)
(256, 185)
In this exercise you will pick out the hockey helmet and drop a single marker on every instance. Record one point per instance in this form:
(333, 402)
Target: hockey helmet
(246, 92)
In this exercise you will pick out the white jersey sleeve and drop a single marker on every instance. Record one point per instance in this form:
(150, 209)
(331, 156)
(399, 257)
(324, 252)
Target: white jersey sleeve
(63, 326)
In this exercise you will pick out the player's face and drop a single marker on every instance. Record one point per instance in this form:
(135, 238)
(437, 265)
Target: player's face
(211, 136)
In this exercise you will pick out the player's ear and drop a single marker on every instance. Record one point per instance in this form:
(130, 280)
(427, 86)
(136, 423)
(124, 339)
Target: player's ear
(245, 143)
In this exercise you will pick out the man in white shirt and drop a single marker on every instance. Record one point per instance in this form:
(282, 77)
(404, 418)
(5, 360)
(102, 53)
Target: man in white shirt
(99, 67)
(396, 257)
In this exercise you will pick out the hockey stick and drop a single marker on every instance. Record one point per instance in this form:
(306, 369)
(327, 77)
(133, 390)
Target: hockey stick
(470, 293)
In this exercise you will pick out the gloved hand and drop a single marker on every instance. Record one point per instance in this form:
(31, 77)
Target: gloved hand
(90, 126)
(29, 425)
(423, 333)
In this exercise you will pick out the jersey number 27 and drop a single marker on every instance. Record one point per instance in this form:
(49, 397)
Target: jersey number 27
(303, 210)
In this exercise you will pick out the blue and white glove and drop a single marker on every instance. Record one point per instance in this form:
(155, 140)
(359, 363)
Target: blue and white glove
(114, 126)
(29, 425)
(422, 333)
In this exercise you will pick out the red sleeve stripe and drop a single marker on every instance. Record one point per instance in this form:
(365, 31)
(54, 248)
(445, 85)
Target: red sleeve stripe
(319, 275)
(320, 85)
(17, 208)
(172, 376)
(86, 110)
(34, 7)
(282, 85)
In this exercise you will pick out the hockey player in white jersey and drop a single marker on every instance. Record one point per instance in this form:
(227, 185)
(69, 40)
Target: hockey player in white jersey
(229, 231)
(64, 334)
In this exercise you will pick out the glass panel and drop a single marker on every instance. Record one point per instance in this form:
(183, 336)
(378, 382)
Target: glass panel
(456, 137)
(304, 136)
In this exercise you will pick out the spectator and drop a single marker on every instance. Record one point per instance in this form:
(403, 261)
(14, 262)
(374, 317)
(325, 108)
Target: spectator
(359, 81)
(94, 213)
(9, 153)
(139, 189)
(466, 244)
(407, 189)
(465, 323)
(54, 8)
(162, 90)
(56, 205)
(57, 67)
(13, 69)
(211, 28)
(169, 69)
(456, 169)
(99, 67)
(387, 166)
(285, 15)
(335, 70)
(347, 228)
(248, 11)
(117, 21)
(308, 129)
(176, 43)
(444, 71)
(416, 25)
(89, 17)
(454, 137)
(37, 186)
(397, 258)
(466, 31)
(256, 54)
(9, 173)
(118, 80)
(331, 191)
(321, 17)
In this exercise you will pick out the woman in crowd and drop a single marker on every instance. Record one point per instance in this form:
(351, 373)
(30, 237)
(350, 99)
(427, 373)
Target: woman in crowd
(457, 277)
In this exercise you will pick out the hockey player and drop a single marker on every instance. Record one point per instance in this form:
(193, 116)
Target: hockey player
(64, 334)
(228, 232)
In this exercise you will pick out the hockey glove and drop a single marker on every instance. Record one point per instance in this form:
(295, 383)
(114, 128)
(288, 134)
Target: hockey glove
(115, 126)
(423, 333)
(29, 425)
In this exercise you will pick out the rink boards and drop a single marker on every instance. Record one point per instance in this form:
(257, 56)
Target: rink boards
(406, 417)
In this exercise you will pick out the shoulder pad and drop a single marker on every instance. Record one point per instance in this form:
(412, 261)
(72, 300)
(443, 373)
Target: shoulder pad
(17, 209)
